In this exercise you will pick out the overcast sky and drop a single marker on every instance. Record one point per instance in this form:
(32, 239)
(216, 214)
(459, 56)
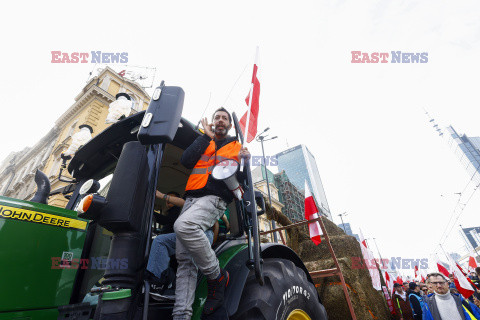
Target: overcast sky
(379, 158)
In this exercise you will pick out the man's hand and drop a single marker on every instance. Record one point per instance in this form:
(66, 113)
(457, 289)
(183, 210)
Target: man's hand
(159, 195)
(244, 154)
(208, 127)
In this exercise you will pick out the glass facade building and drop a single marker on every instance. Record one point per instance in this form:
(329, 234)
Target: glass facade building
(292, 199)
(467, 149)
(472, 235)
(299, 165)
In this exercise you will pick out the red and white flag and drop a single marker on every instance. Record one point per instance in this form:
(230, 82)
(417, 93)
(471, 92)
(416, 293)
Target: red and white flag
(311, 212)
(416, 271)
(460, 268)
(472, 264)
(251, 116)
(461, 282)
(389, 282)
(465, 274)
(442, 269)
(368, 256)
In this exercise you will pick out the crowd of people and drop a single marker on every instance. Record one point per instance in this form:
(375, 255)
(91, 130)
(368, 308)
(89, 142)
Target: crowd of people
(436, 299)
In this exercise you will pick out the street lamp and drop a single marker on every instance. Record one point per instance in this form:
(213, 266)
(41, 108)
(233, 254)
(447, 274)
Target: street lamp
(261, 139)
(78, 140)
(121, 107)
(341, 215)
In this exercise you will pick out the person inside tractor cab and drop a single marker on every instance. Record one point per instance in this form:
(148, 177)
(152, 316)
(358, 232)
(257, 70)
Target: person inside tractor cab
(206, 201)
(224, 225)
(159, 272)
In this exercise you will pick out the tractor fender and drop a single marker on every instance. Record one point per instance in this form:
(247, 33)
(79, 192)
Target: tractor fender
(238, 270)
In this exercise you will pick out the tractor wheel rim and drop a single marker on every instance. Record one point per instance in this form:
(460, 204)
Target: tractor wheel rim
(298, 314)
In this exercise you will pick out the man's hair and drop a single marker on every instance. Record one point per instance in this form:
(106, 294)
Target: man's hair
(435, 274)
(174, 193)
(477, 270)
(224, 110)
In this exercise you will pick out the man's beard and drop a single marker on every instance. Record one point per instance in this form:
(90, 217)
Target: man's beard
(221, 132)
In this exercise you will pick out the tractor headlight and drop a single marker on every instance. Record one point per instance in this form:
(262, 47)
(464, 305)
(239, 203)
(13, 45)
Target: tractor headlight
(90, 186)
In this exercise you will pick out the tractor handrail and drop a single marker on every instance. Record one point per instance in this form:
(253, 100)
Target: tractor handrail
(251, 209)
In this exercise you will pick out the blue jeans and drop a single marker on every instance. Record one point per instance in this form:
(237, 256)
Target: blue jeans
(163, 246)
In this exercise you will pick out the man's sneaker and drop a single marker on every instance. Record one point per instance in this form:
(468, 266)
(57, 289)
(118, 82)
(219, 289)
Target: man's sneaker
(216, 292)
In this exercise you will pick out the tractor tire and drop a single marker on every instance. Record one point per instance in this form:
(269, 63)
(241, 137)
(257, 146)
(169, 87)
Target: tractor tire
(286, 295)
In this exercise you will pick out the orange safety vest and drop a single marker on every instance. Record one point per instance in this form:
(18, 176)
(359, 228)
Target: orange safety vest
(203, 169)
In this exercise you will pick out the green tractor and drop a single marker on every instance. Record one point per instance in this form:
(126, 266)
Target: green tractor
(88, 261)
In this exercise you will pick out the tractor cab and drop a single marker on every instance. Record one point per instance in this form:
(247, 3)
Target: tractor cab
(107, 230)
(98, 161)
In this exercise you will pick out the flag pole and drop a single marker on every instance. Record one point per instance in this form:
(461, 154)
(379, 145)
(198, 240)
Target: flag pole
(249, 110)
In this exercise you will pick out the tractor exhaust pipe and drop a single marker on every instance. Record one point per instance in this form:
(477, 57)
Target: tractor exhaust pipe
(43, 187)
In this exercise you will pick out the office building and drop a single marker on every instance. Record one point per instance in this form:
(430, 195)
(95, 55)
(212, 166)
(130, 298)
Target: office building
(299, 165)
(348, 230)
(468, 151)
(472, 237)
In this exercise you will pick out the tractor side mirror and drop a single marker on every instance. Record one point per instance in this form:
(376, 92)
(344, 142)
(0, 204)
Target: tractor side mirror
(161, 120)
(260, 202)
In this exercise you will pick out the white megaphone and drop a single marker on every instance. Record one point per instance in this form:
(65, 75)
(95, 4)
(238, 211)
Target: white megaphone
(225, 171)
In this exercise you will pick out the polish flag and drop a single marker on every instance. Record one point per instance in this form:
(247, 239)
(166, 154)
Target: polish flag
(423, 278)
(399, 280)
(442, 269)
(251, 116)
(389, 282)
(472, 264)
(369, 257)
(311, 212)
(460, 268)
(416, 271)
(461, 282)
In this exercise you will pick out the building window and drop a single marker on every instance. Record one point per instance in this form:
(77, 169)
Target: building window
(105, 83)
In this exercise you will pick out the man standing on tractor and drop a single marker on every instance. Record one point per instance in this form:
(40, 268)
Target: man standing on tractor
(206, 201)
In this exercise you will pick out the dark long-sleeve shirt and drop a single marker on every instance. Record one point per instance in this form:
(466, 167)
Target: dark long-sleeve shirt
(167, 221)
(189, 159)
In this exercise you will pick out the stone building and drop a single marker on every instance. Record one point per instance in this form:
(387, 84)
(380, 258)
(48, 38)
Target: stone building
(90, 108)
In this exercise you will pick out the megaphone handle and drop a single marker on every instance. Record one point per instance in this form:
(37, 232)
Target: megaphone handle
(241, 165)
